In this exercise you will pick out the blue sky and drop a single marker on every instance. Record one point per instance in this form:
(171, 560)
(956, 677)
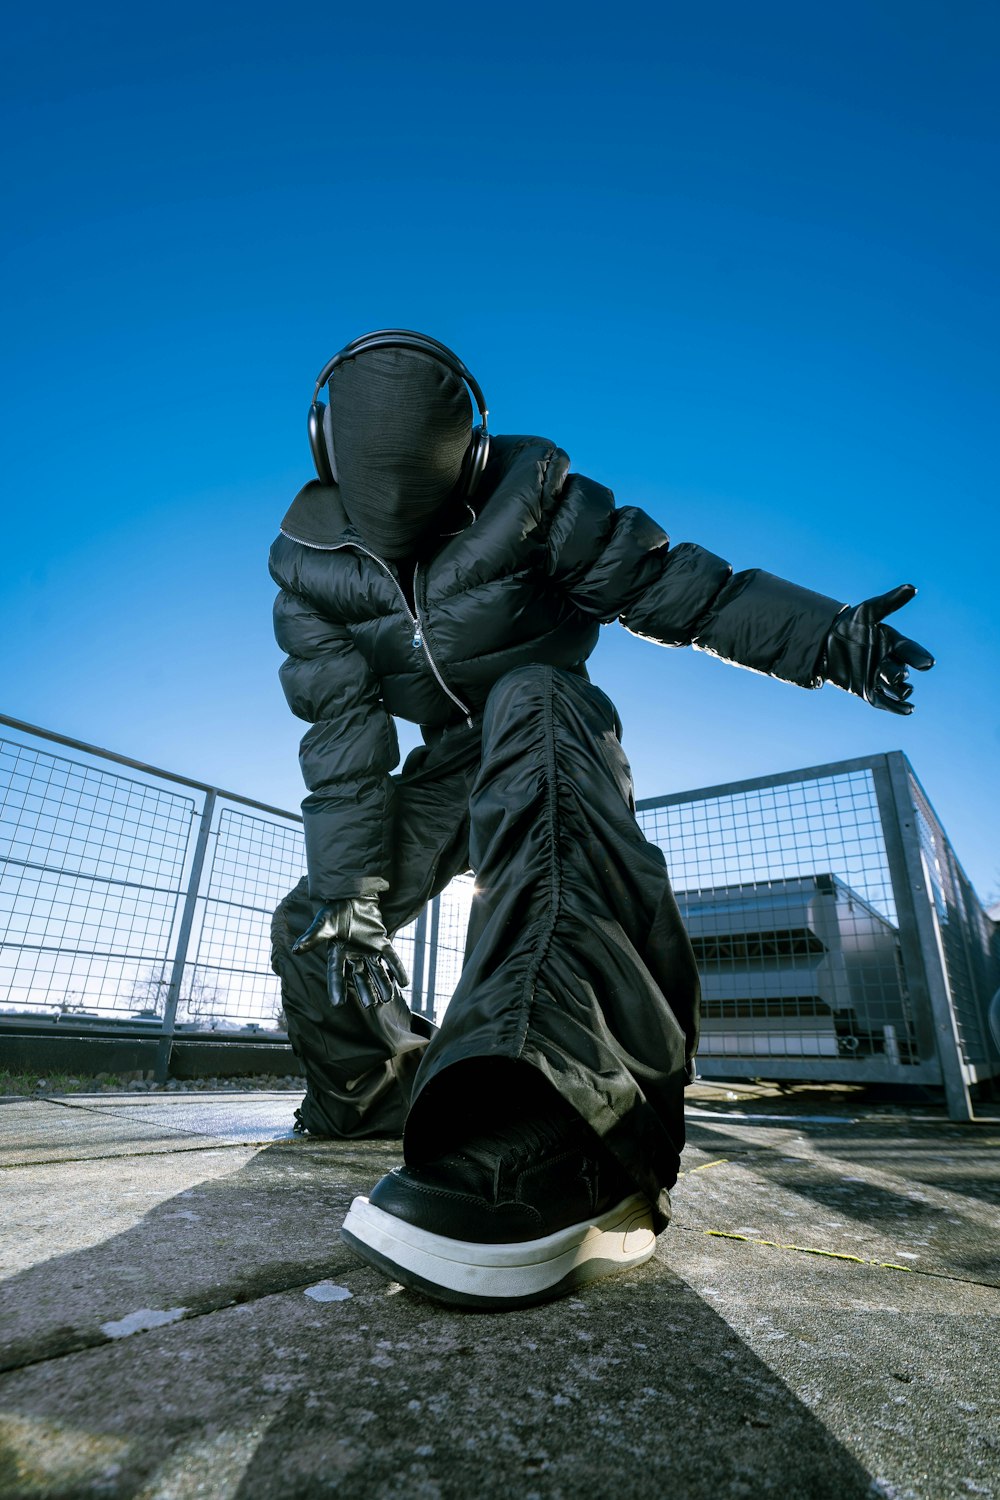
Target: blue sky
(739, 261)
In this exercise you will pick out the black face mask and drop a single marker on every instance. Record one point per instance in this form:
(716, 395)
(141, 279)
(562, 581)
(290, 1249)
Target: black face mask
(402, 423)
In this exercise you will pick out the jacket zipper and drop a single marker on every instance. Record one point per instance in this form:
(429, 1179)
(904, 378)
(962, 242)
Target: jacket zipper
(419, 641)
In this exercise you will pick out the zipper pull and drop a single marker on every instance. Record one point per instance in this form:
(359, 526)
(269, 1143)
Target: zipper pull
(418, 638)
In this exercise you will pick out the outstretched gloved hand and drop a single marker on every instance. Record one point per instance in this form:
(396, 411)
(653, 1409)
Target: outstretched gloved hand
(360, 951)
(864, 656)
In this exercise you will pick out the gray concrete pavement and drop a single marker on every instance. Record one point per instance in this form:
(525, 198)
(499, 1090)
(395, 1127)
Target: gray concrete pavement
(178, 1318)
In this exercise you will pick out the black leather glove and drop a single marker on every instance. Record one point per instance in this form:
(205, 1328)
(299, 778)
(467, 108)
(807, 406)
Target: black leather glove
(864, 656)
(360, 951)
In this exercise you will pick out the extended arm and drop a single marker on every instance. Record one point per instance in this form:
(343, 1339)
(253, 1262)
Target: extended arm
(618, 564)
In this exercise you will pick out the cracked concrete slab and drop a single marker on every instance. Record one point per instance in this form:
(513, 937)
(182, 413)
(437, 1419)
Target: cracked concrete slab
(719, 1368)
(181, 1320)
(197, 1230)
(928, 1199)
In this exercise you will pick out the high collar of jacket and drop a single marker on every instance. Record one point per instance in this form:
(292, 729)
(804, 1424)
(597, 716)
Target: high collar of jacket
(316, 517)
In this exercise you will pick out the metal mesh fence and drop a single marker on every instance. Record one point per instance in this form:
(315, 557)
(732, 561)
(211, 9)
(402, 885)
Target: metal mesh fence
(254, 861)
(96, 869)
(134, 896)
(90, 884)
(785, 890)
(446, 944)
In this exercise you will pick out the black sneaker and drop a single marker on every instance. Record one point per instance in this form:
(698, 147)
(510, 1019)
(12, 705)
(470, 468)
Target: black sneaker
(507, 1219)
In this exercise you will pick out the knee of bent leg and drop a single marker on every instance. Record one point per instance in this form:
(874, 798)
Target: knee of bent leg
(514, 689)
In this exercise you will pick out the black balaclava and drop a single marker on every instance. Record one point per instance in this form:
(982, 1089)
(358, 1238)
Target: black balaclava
(401, 425)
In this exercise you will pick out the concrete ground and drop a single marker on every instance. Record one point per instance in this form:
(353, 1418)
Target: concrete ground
(179, 1319)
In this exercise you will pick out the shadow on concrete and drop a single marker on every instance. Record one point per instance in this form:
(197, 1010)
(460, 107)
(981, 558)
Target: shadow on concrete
(227, 1236)
(959, 1158)
(869, 1203)
(637, 1386)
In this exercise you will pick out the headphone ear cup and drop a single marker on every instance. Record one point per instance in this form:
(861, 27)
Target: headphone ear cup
(476, 458)
(321, 442)
(317, 442)
(331, 455)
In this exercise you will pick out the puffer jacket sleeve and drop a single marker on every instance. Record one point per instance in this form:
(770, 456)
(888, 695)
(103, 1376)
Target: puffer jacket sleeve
(346, 756)
(617, 563)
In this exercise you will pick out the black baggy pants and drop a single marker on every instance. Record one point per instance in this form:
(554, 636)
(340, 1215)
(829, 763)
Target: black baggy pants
(577, 964)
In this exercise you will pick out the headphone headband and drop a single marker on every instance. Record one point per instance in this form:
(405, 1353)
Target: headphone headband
(405, 338)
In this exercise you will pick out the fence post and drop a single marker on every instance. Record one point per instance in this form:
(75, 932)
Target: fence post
(432, 955)
(183, 938)
(419, 952)
(919, 936)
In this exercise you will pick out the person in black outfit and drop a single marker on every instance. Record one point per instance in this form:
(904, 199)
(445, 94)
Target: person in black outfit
(458, 580)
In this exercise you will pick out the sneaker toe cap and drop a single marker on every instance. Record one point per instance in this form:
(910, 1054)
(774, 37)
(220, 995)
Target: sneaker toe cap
(417, 1199)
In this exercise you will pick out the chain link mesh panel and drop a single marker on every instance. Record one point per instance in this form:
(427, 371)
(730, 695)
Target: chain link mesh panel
(229, 982)
(91, 881)
(449, 923)
(786, 894)
(783, 884)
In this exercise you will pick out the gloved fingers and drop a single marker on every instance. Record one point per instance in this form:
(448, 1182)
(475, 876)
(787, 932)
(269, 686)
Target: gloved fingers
(915, 655)
(873, 610)
(893, 673)
(896, 687)
(372, 983)
(365, 982)
(892, 686)
(395, 965)
(336, 974)
(330, 924)
(882, 698)
(312, 936)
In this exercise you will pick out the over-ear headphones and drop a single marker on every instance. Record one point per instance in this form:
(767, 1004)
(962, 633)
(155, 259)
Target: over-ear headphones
(321, 421)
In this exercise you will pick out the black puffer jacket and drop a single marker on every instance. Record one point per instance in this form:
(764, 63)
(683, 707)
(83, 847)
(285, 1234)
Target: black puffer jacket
(547, 560)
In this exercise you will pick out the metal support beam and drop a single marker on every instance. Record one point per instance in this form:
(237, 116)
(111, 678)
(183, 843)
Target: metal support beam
(432, 953)
(419, 957)
(183, 938)
(919, 934)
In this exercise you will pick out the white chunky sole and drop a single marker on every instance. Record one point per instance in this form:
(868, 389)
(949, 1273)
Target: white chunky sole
(466, 1274)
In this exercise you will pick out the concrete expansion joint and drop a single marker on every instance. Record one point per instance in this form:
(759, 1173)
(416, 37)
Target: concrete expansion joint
(169, 1150)
(128, 1104)
(839, 1255)
(304, 1278)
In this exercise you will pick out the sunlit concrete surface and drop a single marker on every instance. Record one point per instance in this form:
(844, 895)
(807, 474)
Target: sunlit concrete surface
(178, 1318)
(104, 1125)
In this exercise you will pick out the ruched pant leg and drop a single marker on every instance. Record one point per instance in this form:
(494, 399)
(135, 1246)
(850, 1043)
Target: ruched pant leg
(577, 962)
(360, 1064)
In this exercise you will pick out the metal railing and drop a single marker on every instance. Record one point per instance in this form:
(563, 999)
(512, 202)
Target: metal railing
(837, 936)
(140, 900)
